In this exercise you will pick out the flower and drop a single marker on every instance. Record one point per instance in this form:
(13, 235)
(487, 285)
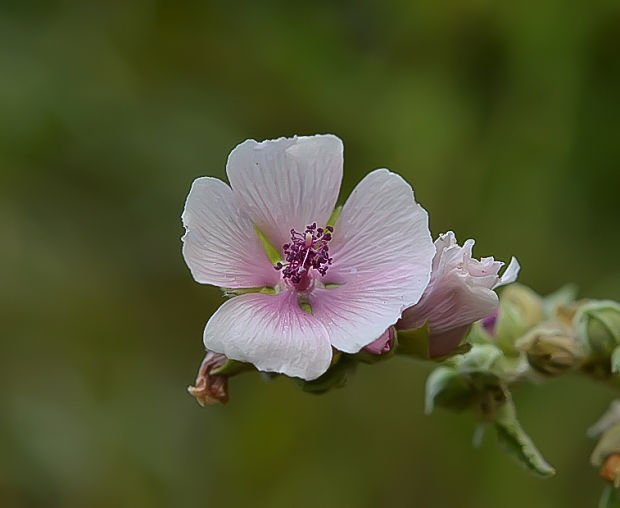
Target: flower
(460, 292)
(303, 284)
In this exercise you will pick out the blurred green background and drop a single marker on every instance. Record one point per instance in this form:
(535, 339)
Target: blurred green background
(505, 117)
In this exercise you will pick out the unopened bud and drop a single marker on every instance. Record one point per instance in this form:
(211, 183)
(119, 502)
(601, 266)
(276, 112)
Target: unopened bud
(210, 388)
(520, 309)
(383, 344)
(598, 325)
(551, 349)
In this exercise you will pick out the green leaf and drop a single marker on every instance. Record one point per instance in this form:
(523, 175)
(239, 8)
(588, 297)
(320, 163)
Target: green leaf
(272, 253)
(517, 443)
(336, 377)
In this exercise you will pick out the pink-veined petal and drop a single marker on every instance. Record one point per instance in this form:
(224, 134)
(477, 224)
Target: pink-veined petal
(287, 183)
(359, 311)
(452, 303)
(382, 229)
(272, 332)
(220, 245)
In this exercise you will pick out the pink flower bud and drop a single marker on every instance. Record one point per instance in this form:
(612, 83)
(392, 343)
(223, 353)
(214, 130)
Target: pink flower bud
(383, 344)
(460, 292)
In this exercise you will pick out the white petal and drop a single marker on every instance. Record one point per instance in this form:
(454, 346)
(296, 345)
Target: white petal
(359, 311)
(510, 273)
(220, 245)
(382, 229)
(287, 183)
(271, 332)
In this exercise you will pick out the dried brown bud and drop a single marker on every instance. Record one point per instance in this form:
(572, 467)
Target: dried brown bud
(210, 388)
(610, 471)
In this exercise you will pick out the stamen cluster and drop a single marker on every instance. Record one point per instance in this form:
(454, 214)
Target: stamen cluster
(306, 250)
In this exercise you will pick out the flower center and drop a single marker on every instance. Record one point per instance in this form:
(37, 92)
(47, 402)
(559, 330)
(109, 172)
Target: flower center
(307, 250)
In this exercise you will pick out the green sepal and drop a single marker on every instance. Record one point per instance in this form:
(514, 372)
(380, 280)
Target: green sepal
(446, 388)
(608, 444)
(481, 358)
(517, 443)
(333, 218)
(306, 307)
(414, 343)
(332, 286)
(478, 335)
(272, 253)
(232, 367)
(461, 349)
(229, 293)
(606, 421)
(336, 376)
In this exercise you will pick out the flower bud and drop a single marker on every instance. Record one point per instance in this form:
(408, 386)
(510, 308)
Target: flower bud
(606, 455)
(210, 388)
(461, 291)
(520, 309)
(598, 325)
(610, 471)
(551, 349)
(383, 344)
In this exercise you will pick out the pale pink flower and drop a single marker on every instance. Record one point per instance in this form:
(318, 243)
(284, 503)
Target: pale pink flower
(356, 279)
(460, 292)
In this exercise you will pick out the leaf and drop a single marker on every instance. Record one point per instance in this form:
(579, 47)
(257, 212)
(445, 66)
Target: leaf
(517, 443)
